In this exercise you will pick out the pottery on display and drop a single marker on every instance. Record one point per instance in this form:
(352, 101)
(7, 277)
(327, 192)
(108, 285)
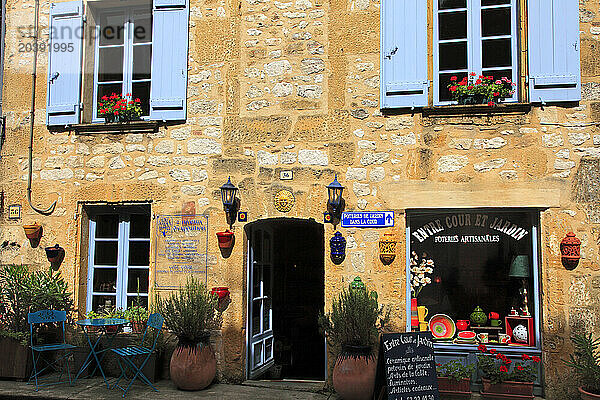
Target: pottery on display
(463, 324)
(520, 333)
(467, 335)
(478, 317)
(442, 326)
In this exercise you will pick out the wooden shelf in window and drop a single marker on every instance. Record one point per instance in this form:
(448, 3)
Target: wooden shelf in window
(477, 109)
(119, 127)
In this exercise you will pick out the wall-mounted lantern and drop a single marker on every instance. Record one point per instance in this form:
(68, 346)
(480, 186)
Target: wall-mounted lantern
(338, 248)
(570, 251)
(228, 192)
(55, 255)
(335, 202)
(387, 248)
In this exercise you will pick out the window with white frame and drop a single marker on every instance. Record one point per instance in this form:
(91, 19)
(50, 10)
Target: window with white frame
(474, 36)
(119, 257)
(123, 56)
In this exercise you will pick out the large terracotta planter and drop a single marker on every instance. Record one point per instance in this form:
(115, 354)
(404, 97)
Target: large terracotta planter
(138, 326)
(193, 368)
(507, 390)
(587, 395)
(33, 231)
(15, 359)
(354, 376)
(452, 389)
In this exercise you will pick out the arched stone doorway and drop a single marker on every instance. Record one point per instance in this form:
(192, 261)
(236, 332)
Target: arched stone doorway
(285, 292)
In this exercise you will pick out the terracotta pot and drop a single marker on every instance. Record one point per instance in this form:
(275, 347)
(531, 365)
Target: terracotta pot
(193, 368)
(33, 231)
(138, 326)
(587, 395)
(225, 239)
(354, 376)
(510, 390)
(450, 385)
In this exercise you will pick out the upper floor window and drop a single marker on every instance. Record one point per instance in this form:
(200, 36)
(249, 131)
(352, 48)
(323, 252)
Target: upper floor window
(474, 36)
(123, 56)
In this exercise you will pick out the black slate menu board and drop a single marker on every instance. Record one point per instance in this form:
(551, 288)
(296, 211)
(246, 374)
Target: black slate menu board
(409, 366)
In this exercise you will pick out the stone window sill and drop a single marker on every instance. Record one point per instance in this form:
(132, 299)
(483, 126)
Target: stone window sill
(478, 109)
(118, 127)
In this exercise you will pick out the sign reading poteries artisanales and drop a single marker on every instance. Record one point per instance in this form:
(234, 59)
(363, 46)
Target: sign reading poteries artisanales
(180, 250)
(409, 366)
(368, 219)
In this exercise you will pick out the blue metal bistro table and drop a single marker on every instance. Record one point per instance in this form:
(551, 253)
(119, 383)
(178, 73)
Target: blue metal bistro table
(103, 324)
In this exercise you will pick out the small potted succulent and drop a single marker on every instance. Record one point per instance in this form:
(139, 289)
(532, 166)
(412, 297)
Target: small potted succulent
(503, 377)
(137, 316)
(585, 363)
(454, 379)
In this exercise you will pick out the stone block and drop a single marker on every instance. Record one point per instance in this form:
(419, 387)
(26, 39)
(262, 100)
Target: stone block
(451, 163)
(231, 166)
(342, 153)
(354, 33)
(214, 41)
(586, 183)
(252, 130)
(590, 62)
(313, 157)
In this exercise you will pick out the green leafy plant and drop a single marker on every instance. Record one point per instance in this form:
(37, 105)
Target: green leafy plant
(137, 313)
(112, 312)
(190, 313)
(480, 90)
(498, 368)
(356, 319)
(92, 315)
(117, 108)
(455, 370)
(585, 361)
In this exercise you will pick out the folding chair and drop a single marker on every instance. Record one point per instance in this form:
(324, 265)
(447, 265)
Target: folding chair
(127, 354)
(49, 317)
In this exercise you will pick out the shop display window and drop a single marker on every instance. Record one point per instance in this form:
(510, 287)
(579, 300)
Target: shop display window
(473, 275)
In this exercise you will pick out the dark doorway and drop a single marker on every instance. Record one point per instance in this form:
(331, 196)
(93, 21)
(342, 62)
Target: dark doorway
(297, 291)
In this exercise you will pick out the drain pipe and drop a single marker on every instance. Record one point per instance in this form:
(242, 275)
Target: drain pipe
(50, 209)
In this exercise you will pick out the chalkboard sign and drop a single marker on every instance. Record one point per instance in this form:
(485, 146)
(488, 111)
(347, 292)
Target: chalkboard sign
(409, 366)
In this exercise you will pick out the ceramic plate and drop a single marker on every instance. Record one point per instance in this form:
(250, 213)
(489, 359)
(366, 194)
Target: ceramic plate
(467, 335)
(442, 326)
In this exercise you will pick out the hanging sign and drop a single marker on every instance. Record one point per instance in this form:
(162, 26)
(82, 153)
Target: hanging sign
(368, 219)
(409, 366)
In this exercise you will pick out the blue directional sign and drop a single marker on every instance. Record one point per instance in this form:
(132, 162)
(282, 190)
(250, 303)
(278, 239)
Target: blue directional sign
(368, 219)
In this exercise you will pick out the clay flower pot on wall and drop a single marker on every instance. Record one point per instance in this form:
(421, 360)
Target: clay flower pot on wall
(55, 255)
(193, 368)
(226, 239)
(33, 231)
(222, 293)
(354, 373)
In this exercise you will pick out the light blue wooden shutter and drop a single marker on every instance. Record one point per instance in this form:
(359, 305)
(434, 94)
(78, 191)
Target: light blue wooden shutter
(404, 53)
(554, 59)
(63, 96)
(169, 60)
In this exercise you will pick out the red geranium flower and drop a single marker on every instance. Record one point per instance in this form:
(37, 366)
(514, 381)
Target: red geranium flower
(453, 78)
(499, 356)
(470, 87)
(519, 368)
(453, 88)
(503, 368)
(478, 82)
(490, 103)
(536, 359)
(492, 351)
(472, 74)
(525, 357)
(507, 361)
(482, 348)
(137, 100)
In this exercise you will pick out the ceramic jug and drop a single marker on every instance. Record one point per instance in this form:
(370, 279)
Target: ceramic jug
(478, 317)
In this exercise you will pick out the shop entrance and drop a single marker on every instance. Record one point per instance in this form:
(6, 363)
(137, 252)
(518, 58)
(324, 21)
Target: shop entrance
(286, 292)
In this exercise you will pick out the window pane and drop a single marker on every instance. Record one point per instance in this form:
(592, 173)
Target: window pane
(258, 353)
(142, 31)
(102, 302)
(256, 282)
(107, 90)
(453, 25)
(107, 226)
(139, 253)
(141, 61)
(256, 317)
(110, 68)
(139, 226)
(105, 280)
(268, 349)
(257, 246)
(134, 301)
(497, 53)
(267, 281)
(444, 92)
(106, 253)
(266, 315)
(137, 280)
(494, 2)
(495, 21)
(453, 56)
(141, 90)
(112, 29)
(499, 74)
(448, 4)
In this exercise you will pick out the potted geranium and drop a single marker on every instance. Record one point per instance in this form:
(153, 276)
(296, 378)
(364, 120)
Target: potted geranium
(502, 376)
(352, 329)
(117, 108)
(190, 314)
(480, 90)
(454, 379)
(585, 363)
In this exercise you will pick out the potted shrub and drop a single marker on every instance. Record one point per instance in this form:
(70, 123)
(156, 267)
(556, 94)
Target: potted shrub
(503, 377)
(137, 316)
(352, 329)
(454, 379)
(585, 363)
(190, 314)
(480, 90)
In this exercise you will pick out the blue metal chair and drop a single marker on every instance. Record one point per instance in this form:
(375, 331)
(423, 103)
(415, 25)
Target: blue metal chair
(127, 354)
(49, 317)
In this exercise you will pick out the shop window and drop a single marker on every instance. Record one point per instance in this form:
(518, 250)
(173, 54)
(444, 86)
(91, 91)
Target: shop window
(479, 258)
(119, 257)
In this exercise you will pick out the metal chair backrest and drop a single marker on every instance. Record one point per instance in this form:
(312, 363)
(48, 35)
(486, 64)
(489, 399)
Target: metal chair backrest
(46, 317)
(155, 321)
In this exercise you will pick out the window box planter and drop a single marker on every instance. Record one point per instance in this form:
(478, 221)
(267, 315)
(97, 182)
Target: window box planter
(453, 389)
(15, 359)
(587, 395)
(118, 127)
(507, 390)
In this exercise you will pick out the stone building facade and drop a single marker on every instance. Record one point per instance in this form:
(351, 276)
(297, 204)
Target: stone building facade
(295, 86)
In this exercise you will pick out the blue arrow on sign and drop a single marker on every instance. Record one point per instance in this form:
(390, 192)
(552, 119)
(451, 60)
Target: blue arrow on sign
(368, 219)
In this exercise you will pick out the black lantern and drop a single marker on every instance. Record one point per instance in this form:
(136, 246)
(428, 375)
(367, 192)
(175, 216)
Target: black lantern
(228, 192)
(334, 190)
(338, 248)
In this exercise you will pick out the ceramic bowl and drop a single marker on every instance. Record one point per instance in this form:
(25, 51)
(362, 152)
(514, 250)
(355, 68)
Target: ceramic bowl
(467, 335)
(442, 326)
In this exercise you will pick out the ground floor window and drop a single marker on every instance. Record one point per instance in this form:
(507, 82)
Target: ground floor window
(472, 276)
(118, 257)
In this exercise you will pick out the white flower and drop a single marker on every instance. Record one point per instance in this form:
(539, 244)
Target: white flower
(415, 283)
(429, 262)
(427, 280)
(421, 276)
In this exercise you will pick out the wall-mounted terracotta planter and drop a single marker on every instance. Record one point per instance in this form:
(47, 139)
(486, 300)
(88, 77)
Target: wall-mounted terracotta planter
(225, 239)
(221, 292)
(56, 255)
(33, 231)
